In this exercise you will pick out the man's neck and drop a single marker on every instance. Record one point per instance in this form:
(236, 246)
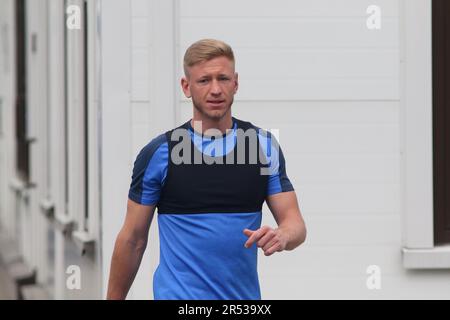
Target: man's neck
(222, 125)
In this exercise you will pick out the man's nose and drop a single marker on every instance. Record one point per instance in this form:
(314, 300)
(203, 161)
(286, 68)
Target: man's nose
(215, 88)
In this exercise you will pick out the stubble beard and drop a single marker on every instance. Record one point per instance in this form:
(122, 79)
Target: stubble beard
(214, 115)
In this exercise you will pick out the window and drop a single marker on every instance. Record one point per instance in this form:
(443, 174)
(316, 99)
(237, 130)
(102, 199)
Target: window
(23, 162)
(66, 122)
(86, 110)
(441, 120)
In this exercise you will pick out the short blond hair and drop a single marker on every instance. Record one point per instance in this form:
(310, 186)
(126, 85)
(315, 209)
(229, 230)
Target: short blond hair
(205, 50)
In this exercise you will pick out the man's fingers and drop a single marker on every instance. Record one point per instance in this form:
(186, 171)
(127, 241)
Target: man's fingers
(272, 249)
(267, 238)
(269, 244)
(256, 235)
(248, 232)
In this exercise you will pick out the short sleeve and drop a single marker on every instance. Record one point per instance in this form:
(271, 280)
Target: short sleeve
(278, 179)
(149, 172)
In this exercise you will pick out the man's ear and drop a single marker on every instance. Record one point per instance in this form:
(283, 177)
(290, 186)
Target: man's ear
(236, 79)
(186, 87)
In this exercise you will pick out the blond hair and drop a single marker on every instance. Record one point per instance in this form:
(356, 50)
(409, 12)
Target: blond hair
(205, 50)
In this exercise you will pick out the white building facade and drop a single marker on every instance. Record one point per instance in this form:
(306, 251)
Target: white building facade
(351, 99)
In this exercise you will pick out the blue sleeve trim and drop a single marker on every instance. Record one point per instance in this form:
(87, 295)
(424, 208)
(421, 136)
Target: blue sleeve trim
(278, 179)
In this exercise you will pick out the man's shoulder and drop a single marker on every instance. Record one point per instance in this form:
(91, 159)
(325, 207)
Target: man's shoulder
(249, 125)
(157, 145)
(156, 142)
(245, 125)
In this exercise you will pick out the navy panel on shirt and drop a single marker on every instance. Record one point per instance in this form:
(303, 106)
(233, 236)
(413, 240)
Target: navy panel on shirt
(213, 187)
(149, 172)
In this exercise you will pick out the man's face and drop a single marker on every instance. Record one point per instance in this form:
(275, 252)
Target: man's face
(211, 85)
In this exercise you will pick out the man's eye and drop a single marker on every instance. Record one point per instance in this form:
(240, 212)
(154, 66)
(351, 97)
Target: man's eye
(203, 81)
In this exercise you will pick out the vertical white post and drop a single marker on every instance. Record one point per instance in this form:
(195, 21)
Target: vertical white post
(76, 124)
(115, 113)
(57, 134)
(417, 139)
(163, 66)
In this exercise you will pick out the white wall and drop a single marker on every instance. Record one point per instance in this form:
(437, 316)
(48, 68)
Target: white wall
(313, 70)
(308, 68)
(151, 105)
(115, 128)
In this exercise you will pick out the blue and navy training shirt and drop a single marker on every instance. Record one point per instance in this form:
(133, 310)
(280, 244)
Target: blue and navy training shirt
(203, 208)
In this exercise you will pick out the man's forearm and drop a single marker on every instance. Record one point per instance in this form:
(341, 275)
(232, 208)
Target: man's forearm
(295, 233)
(125, 263)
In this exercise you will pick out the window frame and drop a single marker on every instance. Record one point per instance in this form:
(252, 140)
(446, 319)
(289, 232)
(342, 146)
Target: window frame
(83, 130)
(419, 251)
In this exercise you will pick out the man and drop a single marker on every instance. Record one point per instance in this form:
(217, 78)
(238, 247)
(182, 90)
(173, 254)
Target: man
(209, 212)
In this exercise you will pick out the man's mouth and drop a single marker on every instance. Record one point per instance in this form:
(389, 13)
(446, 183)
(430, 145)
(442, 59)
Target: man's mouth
(215, 102)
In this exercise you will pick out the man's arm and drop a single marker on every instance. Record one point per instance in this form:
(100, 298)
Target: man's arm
(291, 231)
(129, 249)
